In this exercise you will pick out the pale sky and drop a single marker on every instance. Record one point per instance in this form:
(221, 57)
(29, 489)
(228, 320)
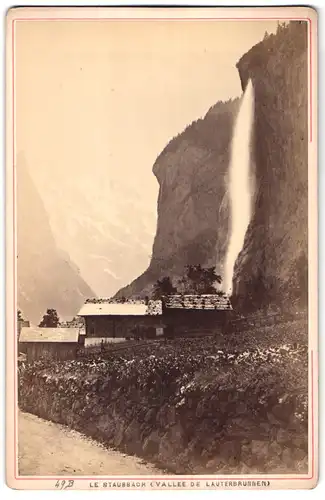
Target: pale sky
(102, 98)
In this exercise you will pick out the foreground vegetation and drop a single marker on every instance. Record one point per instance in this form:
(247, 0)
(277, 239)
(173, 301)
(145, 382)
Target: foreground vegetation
(192, 404)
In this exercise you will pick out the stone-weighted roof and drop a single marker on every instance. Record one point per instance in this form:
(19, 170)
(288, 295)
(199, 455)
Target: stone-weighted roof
(133, 307)
(206, 302)
(120, 307)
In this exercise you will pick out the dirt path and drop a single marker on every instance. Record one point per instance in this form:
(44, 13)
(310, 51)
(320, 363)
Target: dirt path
(46, 448)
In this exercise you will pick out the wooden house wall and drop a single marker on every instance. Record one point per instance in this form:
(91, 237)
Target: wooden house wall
(193, 321)
(51, 350)
(119, 326)
(179, 321)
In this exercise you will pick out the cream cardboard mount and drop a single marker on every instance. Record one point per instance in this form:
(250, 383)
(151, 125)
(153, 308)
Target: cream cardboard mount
(161, 229)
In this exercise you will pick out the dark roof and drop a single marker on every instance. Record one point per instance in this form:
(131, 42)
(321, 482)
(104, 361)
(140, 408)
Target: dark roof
(206, 302)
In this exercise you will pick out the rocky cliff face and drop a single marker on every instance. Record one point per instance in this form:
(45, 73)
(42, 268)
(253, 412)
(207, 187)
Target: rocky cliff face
(272, 267)
(192, 225)
(46, 276)
(193, 213)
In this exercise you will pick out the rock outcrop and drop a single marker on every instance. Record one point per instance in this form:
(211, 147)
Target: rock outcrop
(272, 267)
(193, 213)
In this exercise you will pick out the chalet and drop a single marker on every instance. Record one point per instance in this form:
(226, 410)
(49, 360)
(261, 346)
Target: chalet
(50, 343)
(196, 314)
(111, 320)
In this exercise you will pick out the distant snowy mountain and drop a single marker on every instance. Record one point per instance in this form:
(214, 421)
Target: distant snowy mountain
(106, 225)
(47, 278)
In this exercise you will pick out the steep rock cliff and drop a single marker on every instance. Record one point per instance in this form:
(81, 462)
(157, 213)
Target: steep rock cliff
(192, 225)
(272, 266)
(47, 278)
(193, 213)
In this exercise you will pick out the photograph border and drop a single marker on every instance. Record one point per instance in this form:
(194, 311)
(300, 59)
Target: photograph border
(151, 14)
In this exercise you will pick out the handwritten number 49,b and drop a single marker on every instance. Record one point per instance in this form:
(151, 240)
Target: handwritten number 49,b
(64, 485)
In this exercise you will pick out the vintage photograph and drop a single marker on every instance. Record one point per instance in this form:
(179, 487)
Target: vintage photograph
(164, 301)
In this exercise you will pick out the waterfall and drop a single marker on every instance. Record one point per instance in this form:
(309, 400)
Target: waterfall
(240, 184)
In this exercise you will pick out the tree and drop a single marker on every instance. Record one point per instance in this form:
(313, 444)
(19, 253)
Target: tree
(50, 319)
(200, 280)
(74, 322)
(19, 315)
(164, 286)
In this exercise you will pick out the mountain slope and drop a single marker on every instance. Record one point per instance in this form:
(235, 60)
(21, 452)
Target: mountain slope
(46, 276)
(271, 269)
(192, 225)
(103, 223)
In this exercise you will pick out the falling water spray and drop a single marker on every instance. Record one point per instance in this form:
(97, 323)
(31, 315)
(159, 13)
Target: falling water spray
(240, 183)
